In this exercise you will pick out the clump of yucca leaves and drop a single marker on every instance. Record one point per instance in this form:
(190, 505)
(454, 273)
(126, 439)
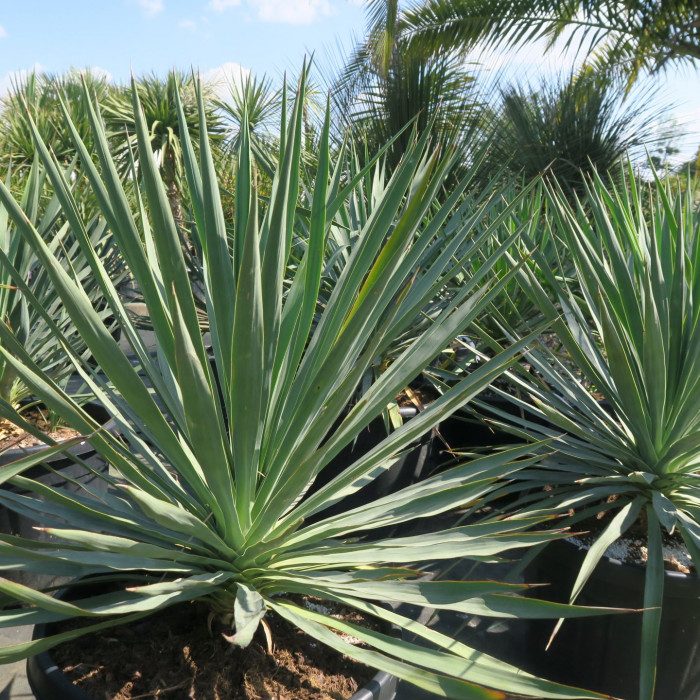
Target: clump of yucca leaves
(628, 322)
(209, 473)
(28, 302)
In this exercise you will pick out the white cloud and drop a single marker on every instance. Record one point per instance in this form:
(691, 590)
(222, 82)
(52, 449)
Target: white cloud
(3, 32)
(280, 11)
(221, 5)
(223, 76)
(688, 120)
(17, 77)
(97, 72)
(152, 7)
(291, 11)
(103, 72)
(187, 24)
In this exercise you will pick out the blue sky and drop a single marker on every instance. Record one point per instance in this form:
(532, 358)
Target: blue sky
(145, 35)
(218, 36)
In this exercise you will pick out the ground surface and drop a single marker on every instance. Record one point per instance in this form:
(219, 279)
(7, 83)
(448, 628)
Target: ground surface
(13, 680)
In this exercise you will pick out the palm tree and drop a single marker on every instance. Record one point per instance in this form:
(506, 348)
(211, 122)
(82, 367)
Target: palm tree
(428, 92)
(570, 128)
(158, 98)
(256, 101)
(40, 95)
(388, 83)
(636, 35)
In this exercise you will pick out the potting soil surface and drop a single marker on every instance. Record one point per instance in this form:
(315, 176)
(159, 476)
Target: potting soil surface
(174, 654)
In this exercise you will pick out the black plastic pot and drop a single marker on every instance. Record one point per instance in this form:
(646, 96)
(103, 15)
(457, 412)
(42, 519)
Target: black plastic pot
(462, 431)
(413, 466)
(48, 682)
(65, 474)
(602, 653)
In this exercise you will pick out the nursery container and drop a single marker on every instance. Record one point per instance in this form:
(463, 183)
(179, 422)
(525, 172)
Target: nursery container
(64, 473)
(464, 432)
(409, 469)
(602, 653)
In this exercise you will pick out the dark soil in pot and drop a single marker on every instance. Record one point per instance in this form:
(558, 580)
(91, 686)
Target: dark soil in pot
(62, 473)
(15, 440)
(175, 654)
(95, 410)
(602, 653)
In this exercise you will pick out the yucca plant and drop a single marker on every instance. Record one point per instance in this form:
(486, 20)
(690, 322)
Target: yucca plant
(210, 475)
(516, 218)
(630, 330)
(452, 260)
(28, 302)
(16, 143)
(512, 215)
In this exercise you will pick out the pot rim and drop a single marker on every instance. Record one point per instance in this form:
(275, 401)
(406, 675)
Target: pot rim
(96, 410)
(631, 566)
